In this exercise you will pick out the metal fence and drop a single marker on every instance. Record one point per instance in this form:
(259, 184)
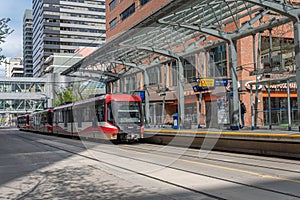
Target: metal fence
(279, 117)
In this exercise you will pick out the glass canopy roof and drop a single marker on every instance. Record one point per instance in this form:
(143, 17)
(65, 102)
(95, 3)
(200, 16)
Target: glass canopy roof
(180, 28)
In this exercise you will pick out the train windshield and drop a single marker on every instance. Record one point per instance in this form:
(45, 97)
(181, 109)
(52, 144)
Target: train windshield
(126, 112)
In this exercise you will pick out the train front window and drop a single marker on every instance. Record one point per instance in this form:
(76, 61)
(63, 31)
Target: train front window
(127, 112)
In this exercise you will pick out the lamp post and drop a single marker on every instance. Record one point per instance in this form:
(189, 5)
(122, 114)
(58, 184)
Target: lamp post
(162, 92)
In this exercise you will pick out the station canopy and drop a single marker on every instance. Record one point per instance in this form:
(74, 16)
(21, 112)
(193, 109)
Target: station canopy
(179, 29)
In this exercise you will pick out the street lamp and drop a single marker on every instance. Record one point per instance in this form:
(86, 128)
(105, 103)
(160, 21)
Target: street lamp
(162, 93)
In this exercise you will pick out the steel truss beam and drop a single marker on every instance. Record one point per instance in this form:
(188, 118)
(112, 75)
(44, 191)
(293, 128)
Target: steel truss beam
(133, 46)
(146, 85)
(173, 55)
(278, 7)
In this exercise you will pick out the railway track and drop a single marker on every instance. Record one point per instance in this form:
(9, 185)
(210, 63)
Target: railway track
(227, 157)
(186, 157)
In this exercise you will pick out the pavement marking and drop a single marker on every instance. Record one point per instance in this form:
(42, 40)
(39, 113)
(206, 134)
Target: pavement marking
(221, 167)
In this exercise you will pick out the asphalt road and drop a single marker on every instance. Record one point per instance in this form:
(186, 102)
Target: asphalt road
(35, 166)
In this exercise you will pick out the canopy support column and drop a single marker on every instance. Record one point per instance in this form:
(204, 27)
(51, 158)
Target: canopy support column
(180, 94)
(252, 107)
(147, 98)
(236, 104)
(297, 57)
(269, 105)
(257, 61)
(289, 106)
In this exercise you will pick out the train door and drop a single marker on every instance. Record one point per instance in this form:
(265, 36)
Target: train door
(27, 122)
(49, 127)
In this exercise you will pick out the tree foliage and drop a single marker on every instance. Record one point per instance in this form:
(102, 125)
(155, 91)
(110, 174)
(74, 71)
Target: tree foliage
(65, 96)
(5, 30)
(75, 92)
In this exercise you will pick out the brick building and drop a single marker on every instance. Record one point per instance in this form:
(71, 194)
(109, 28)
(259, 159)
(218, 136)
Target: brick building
(121, 15)
(124, 14)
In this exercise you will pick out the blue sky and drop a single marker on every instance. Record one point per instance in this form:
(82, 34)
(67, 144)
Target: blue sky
(14, 9)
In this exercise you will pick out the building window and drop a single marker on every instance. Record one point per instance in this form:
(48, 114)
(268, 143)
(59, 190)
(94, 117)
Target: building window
(143, 2)
(189, 68)
(128, 12)
(174, 73)
(113, 23)
(218, 62)
(130, 83)
(154, 74)
(112, 5)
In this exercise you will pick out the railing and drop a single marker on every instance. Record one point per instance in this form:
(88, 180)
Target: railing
(168, 121)
(279, 116)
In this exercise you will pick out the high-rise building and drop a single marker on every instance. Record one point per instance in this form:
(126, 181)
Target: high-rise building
(27, 43)
(62, 26)
(14, 67)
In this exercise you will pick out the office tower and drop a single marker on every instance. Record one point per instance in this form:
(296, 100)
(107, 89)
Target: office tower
(62, 26)
(27, 43)
(14, 67)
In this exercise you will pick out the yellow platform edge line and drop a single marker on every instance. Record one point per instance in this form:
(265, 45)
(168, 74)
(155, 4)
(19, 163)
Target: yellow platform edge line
(288, 135)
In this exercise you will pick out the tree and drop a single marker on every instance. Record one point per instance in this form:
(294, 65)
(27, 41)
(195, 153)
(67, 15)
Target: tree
(65, 96)
(5, 30)
(76, 92)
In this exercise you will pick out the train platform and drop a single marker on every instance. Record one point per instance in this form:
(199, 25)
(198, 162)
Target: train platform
(264, 130)
(277, 141)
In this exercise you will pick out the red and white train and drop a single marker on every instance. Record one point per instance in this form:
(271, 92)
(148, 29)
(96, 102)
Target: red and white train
(112, 116)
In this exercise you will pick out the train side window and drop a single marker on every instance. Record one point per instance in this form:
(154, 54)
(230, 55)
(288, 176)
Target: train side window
(100, 111)
(50, 118)
(65, 118)
(78, 115)
(60, 116)
(110, 117)
(86, 114)
(91, 112)
(70, 116)
(43, 119)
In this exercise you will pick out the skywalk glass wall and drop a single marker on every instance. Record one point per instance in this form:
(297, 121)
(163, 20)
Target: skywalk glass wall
(22, 96)
(24, 87)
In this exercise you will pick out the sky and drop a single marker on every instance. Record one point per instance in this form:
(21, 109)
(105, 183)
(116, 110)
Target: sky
(14, 9)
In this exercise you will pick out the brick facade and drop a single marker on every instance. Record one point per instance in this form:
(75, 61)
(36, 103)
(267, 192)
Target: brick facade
(140, 13)
(244, 53)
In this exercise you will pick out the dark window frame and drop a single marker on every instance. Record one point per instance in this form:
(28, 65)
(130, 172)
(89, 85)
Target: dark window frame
(129, 11)
(112, 5)
(143, 2)
(113, 23)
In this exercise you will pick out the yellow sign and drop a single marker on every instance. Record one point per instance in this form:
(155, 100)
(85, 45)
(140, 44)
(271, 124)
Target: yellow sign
(207, 82)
